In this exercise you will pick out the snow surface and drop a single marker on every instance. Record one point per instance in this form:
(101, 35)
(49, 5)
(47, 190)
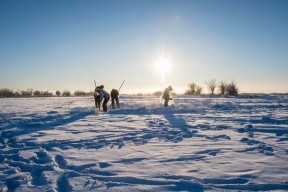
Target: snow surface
(199, 144)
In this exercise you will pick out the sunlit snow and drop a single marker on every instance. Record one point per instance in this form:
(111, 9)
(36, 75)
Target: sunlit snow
(198, 144)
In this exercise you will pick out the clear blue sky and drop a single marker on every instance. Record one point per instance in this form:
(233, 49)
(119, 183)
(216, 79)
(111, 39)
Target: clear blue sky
(65, 45)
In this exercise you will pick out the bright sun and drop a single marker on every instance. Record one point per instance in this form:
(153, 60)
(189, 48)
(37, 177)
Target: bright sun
(162, 66)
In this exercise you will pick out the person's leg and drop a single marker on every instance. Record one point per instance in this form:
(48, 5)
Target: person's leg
(117, 102)
(113, 103)
(105, 105)
(166, 102)
(96, 101)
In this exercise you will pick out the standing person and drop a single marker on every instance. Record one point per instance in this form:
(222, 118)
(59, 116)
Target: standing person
(166, 95)
(114, 97)
(102, 94)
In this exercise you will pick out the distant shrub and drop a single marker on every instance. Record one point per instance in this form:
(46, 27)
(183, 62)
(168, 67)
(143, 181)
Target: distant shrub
(157, 93)
(211, 85)
(47, 94)
(27, 93)
(42, 93)
(37, 93)
(58, 93)
(232, 89)
(222, 87)
(6, 93)
(79, 93)
(193, 89)
(198, 90)
(66, 93)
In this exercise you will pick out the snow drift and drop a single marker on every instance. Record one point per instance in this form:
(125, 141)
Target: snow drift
(211, 144)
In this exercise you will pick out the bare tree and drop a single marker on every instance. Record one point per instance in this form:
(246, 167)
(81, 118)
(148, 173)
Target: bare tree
(222, 87)
(37, 93)
(28, 92)
(6, 92)
(198, 90)
(191, 89)
(66, 94)
(79, 93)
(211, 85)
(47, 94)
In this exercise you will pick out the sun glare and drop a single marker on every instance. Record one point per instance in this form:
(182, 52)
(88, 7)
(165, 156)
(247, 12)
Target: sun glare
(162, 66)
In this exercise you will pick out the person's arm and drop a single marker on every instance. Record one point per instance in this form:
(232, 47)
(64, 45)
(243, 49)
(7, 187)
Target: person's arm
(101, 95)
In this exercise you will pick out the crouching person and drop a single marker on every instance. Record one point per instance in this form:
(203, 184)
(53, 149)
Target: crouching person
(100, 95)
(97, 99)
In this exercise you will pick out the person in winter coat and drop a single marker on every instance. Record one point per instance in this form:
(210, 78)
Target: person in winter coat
(97, 98)
(99, 95)
(114, 97)
(166, 95)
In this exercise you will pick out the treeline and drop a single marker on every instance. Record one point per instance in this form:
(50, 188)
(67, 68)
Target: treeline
(212, 86)
(156, 93)
(36, 93)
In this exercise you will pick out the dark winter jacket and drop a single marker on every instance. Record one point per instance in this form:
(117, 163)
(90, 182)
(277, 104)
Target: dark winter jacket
(114, 93)
(102, 94)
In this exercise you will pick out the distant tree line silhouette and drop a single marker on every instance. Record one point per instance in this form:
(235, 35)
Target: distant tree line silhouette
(223, 88)
(193, 89)
(156, 93)
(36, 93)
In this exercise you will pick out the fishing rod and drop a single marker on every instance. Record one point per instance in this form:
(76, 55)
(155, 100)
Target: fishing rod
(121, 85)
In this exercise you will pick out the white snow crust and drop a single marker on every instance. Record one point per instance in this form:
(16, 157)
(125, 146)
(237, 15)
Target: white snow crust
(198, 144)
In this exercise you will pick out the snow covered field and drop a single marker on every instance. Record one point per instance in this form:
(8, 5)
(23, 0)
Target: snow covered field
(199, 144)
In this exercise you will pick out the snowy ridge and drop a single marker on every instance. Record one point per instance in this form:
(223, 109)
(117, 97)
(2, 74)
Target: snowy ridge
(199, 144)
